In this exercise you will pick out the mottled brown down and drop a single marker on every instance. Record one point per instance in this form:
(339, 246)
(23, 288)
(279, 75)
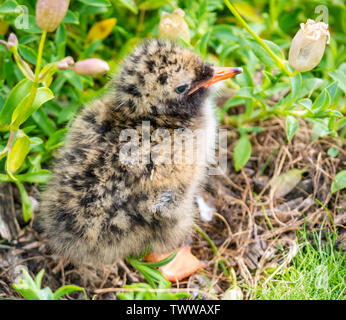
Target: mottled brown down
(96, 208)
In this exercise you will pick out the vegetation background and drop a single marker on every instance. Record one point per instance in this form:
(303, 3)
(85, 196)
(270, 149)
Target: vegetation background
(279, 213)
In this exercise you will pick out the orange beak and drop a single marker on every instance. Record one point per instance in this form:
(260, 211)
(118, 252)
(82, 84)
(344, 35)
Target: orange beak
(220, 73)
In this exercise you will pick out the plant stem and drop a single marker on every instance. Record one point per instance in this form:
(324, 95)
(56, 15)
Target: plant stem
(278, 61)
(39, 57)
(35, 83)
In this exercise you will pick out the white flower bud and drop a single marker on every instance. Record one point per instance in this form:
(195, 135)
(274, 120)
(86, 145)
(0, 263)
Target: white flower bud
(308, 45)
(50, 13)
(233, 294)
(173, 26)
(91, 67)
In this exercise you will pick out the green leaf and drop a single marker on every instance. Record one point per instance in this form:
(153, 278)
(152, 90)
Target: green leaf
(19, 116)
(263, 55)
(46, 124)
(41, 176)
(38, 279)
(242, 152)
(9, 7)
(129, 4)
(56, 139)
(332, 152)
(96, 3)
(339, 182)
(292, 126)
(203, 44)
(67, 289)
(28, 54)
(70, 17)
(26, 204)
(161, 262)
(332, 90)
(224, 33)
(15, 97)
(340, 77)
(306, 103)
(32, 27)
(74, 79)
(321, 102)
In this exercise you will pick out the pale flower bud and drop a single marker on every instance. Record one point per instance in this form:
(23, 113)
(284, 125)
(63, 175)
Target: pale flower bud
(12, 41)
(173, 26)
(91, 67)
(65, 63)
(308, 45)
(50, 13)
(233, 294)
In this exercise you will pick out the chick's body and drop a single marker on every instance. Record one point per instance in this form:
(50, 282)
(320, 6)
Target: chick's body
(98, 207)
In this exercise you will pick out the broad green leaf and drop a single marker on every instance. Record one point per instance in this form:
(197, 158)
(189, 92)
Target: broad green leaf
(23, 112)
(18, 152)
(242, 152)
(339, 182)
(67, 289)
(96, 3)
(292, 126)
(41, 176)
(15, 97)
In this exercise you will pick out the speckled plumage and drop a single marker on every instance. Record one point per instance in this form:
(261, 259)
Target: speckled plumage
(96, 209)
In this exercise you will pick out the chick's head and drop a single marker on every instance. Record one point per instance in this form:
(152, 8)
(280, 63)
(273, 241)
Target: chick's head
(157, 79)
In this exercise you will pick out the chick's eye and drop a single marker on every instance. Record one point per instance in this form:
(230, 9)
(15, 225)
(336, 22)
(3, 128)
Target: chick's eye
(181, 89)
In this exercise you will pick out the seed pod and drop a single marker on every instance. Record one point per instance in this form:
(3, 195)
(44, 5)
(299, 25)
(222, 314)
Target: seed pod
(173, 26)
(50, 13)
(308, 45)
(91, 67)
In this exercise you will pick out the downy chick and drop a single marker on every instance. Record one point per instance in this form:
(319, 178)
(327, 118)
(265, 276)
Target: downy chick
(101, 205)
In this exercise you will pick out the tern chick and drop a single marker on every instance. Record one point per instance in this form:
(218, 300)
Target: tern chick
(117, 187)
